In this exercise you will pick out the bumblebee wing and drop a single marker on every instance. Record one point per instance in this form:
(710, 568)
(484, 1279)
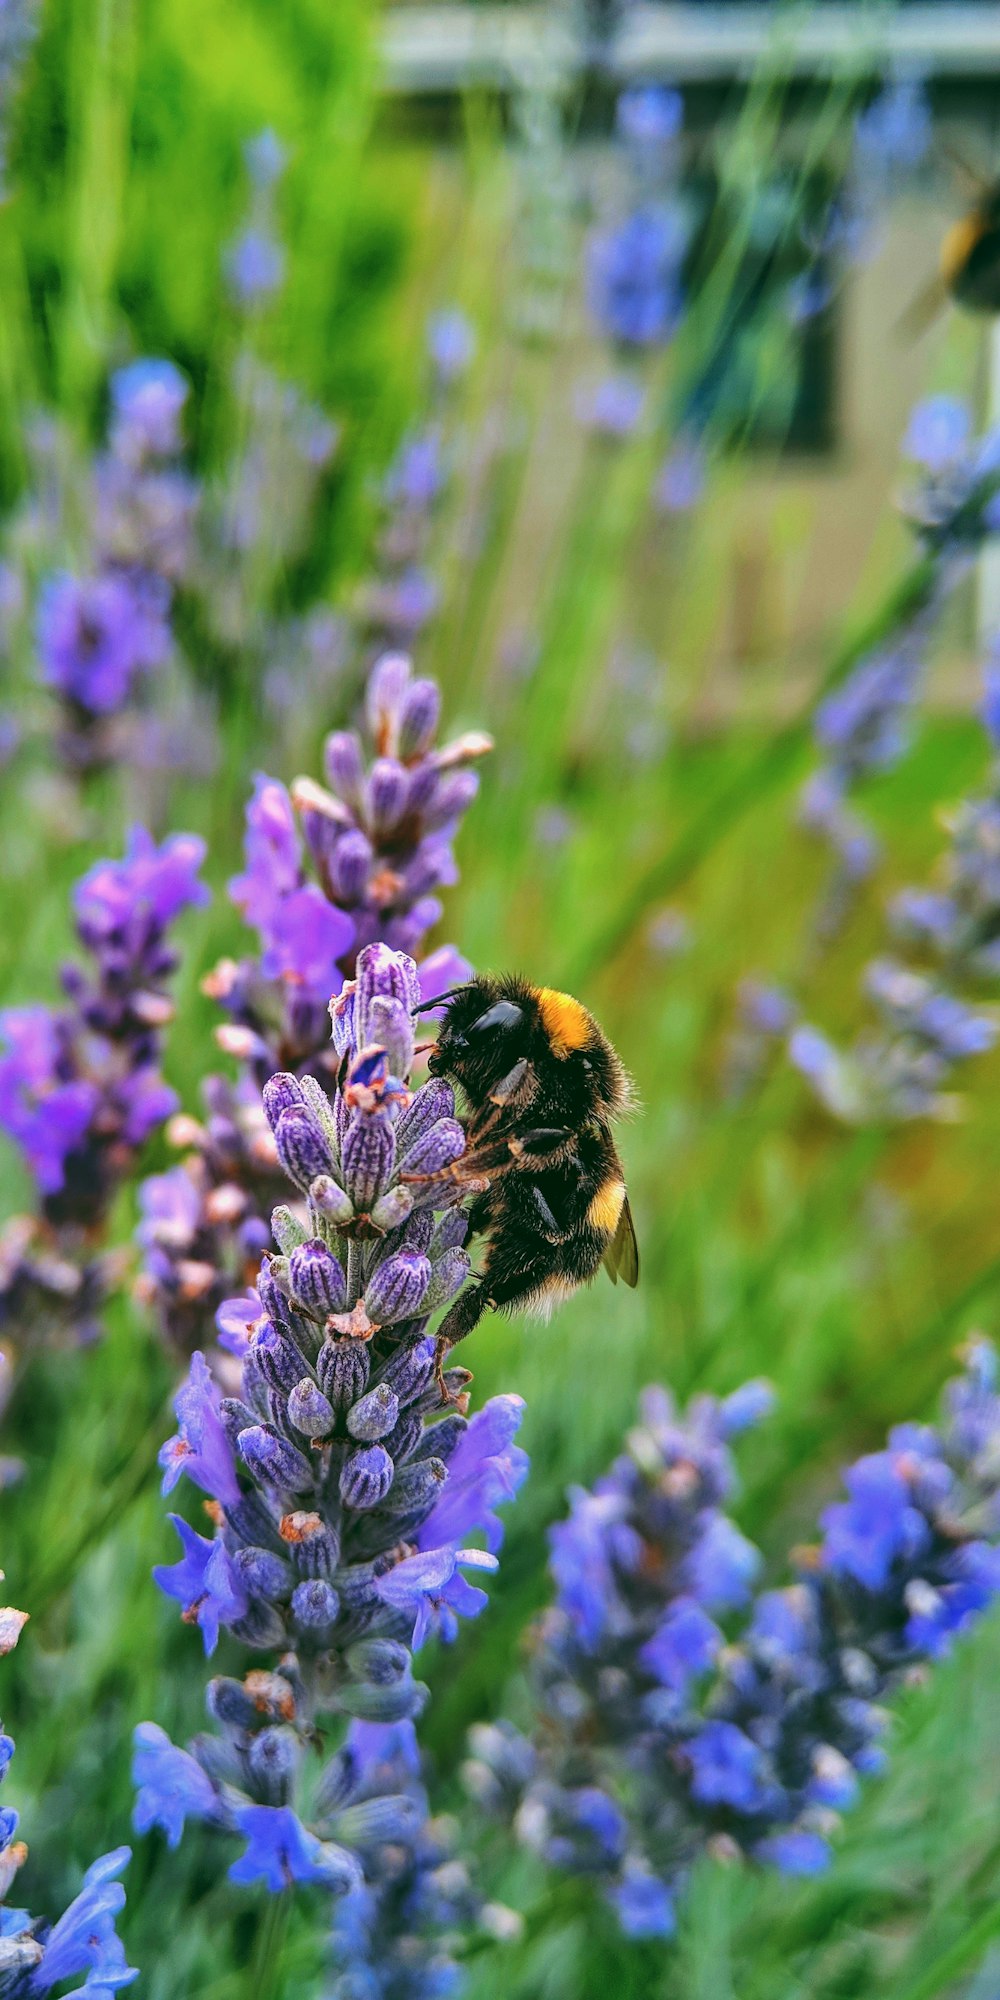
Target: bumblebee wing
(621, 1258)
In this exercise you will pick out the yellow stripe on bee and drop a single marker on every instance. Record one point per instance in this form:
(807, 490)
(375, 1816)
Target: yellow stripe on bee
(567, 1024)
(605, 1209)
(958, 245)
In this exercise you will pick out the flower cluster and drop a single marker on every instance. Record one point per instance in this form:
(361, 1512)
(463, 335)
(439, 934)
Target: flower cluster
(380, 843)
(36, 1956)
(395, 605)
(330, 869)
(657, 1737)
(254, 262)
(343, 1498)
(393, 1934)
(955, 503)
(926, 1028)
(861, 728)
(102, 627)
(80, 1085)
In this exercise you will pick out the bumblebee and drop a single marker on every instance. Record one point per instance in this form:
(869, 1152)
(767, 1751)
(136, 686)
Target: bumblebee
(968, 262)
(970, 255)
(542, 1084)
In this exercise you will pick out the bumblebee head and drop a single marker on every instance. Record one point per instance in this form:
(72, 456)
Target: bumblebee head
(494, 1023)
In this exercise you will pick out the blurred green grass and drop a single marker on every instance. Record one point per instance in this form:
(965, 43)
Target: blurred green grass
(845, 1267)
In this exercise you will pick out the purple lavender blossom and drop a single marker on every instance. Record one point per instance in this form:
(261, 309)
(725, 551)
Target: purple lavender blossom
(347, 1502)
(655, 1740)
(380, 843)
(254, 263)
(634, 276)
(97, 634)
(613, 408)
(80, 1085)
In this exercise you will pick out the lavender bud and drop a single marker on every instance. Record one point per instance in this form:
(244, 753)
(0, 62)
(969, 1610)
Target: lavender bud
(228, 1702)
(437, 1148)
(441, 1439)
(389, 1024)
(287, 1230)
(281, 1092)
(318, 1280)
(397, 1289)
(381, 970)
(407, 1372)
(343, 765)
(262, 1627)
(302, 1148)
(335, 1783)
(366, 1478)
(392, 1209)
(401, 1441)
(343, 1368)
(263, 1574)
(272, 1758)
(385, 795)
(450, 1232)
(277, 1358)
(309, 1410)
(384, 697)
(453, 797)
(432, 1101)
(401, 1701)
(450, 1273)
(236, 1416)
(419, 718)
(390, 1821)
(330, 1200)
(271, 1296)
(368, 1159)
(383, 1661)
(314, 1548)
(417, 1485)
(315, 1606)
(375, 1415)
(269, 1458)
(350, 866)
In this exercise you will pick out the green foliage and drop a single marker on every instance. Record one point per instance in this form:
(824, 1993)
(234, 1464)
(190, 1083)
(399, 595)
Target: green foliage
(844, 1267)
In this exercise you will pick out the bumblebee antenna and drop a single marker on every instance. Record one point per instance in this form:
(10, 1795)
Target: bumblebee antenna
(439, 999)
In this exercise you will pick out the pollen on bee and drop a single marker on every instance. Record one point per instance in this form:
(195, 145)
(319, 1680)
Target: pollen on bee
(606, 1207)
(567, 1024)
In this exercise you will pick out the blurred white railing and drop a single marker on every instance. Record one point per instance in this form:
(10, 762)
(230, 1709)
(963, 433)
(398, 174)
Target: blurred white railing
(446, 47)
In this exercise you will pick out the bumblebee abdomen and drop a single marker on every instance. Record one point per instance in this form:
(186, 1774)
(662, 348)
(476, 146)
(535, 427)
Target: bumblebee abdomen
(604, 1212)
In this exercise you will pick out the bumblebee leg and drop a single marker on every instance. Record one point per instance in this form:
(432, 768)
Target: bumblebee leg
(552, 1230)
(459, 1320)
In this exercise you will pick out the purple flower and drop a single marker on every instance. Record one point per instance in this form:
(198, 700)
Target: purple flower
(430, 1591)
(685, 1644)
(45, 1115)
(280, 1851)
(95, 634)
(171, 1787)
(938, 432)
(681, 480)
(204, 1582)
(85, 1940)
(865, 1535)
(147, 401)
(614, 408)
(451, 343)
(634, 275)
(486, 1469)
(643, 1906)
(201, 1449)
(254, 266)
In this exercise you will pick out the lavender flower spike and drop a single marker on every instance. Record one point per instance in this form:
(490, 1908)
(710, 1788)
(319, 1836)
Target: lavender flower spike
(328, 870)
(80, 1085)
(658, 1739)
(347, 1505)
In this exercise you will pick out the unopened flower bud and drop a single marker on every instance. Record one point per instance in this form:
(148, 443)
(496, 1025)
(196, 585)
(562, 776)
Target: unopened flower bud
(309, 1410)
(366, 1478)
(375, 1415)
